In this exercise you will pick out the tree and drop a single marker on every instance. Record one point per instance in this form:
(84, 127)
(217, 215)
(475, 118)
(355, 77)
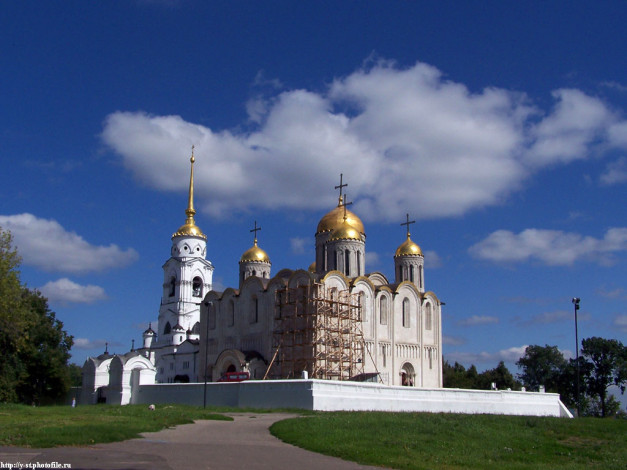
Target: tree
(500, 375)
(34, 347)
(542, 365)
(606, 361)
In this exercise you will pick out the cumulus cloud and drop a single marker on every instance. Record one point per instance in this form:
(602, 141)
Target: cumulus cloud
(298, 245)
(85, 343)
(388, 129)
(452, 340)
(551, 247)
(615, 172)
(478, 320)
(47, 245)
(620, 322)
(65, 291)
(507, 355)
(432, 260)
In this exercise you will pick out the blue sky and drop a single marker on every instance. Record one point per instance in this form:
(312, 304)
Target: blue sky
(500, 127)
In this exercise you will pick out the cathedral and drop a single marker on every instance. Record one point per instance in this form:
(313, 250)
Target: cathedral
(332, 321)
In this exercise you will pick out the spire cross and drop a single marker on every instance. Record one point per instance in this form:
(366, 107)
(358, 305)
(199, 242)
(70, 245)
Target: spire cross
(408, 223)
(256, 229)
(341, 185)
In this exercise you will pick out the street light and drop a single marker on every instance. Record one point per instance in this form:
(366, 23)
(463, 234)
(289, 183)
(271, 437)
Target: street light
(576, 301)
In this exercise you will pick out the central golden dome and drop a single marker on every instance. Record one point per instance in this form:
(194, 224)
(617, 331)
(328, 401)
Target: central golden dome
(408, 248)
(345, 232)
(335, 218)
(255, 255)
(189, 229)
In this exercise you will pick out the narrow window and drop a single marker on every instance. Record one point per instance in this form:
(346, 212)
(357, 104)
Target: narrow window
(405, 314)
(231, 313)
(167, 328)
(383, 310)
(172, 286)
(347, 263)
(358, 264)
(428, 317)
(411, 274)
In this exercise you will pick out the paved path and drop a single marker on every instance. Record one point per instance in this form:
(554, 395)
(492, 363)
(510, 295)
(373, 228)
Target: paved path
(244, 443)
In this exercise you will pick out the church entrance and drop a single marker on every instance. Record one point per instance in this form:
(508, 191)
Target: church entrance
(408, 375)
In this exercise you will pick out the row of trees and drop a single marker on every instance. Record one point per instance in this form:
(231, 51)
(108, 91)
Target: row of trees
(602, 363)
(34, 347)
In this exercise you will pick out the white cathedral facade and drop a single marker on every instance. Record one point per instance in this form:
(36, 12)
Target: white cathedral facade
(331, 321)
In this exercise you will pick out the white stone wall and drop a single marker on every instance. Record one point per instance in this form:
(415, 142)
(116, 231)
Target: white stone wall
(326, 395)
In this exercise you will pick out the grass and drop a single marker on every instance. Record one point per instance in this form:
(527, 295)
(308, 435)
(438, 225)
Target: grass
(450, 441)
(51, 426)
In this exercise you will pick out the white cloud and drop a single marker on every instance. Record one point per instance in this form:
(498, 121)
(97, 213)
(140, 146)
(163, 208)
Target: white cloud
(617, 293)
(567, 134)
(507, 355)
(453, 340)
(298, 245)
(551, 247)
(392, 128)
(65, 291)
(478, 320)
(372, 259)
(615, 172)
(84, 343)
(47, 245)
(620, 322)
(432, 260)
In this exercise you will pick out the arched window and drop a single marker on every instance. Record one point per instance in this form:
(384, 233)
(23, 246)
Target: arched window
(383, 310)
(196, 328)
(197, 287)
(230, 316)
(428, 316)
(405, 313)
(172, 286)
(420, 277)
(411, 274)
(347, 263)
(167, 328)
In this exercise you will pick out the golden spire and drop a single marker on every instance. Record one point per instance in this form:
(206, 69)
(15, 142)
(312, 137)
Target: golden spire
(190, 228)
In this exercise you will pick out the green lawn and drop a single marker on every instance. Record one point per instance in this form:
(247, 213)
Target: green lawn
(450, 441)
(50, 426)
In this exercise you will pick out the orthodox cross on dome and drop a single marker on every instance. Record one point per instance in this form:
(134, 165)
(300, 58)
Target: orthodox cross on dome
(341, 185)
(408, 223)
(256, 229)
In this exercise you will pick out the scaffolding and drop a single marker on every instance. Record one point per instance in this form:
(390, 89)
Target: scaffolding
(317, 330)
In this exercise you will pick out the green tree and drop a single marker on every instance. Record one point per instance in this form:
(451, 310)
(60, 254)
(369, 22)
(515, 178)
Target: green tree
(45, 355)
(542, 365)
(456, 376)
(500, 375)
(11, 318)
(34, 347)
(606, 364)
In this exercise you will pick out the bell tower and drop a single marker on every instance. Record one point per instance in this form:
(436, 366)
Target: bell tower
(187, 277)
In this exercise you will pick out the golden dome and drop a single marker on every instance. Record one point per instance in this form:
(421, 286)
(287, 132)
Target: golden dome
(312, 267)
(189, 229)
(345, 232)
(408, 248)
(255, 255)
(334, 219)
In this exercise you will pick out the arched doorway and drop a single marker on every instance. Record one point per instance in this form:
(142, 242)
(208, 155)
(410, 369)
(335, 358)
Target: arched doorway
(408, 375)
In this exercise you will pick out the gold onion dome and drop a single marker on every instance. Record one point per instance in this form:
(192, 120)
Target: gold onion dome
(408, 248)
(335, 218)
(312, 267)
(345, 232)
(255, 255)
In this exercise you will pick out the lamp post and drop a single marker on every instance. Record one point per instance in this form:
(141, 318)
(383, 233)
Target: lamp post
(576, 301)
(208, 305)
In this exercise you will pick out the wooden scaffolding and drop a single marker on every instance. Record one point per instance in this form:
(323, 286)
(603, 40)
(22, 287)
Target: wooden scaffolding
(317, 330)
